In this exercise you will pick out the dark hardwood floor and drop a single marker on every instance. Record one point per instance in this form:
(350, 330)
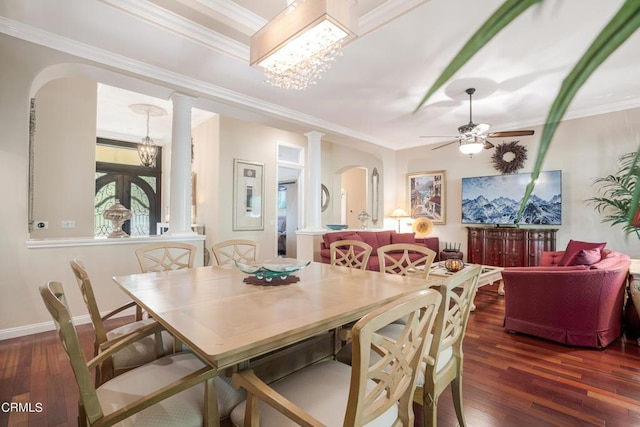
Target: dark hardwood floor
(509, 380)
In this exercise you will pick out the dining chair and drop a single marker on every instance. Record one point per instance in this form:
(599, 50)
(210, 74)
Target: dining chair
(350, 253)
(332, 393)
(235, 250)
(443, 362)
(406, 259)
(165, 256)
(143, 351)
(175, 390)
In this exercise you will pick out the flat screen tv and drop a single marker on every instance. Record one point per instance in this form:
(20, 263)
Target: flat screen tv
(496, 199)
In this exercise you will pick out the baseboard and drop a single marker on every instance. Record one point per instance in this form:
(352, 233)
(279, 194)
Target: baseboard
(37, 328)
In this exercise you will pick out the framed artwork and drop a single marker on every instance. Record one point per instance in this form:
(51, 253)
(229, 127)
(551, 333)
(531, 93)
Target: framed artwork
(248, 190)
(427, 196)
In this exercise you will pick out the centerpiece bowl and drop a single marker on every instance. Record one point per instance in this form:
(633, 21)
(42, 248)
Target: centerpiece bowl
(277, 271)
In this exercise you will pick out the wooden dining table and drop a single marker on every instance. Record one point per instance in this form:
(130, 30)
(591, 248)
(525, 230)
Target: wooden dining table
(227, 321)
(234, 325)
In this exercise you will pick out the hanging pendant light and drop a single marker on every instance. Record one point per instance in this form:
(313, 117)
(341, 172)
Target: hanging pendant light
(147, 148)
(298, 46)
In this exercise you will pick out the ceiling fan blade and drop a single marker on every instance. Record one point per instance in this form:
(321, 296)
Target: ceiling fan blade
(488, 145)
(437, 136)
(480, 128)
(444, 145)
(509, 134)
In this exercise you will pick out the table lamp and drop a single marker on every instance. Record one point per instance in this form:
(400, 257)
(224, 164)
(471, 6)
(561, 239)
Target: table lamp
(398, 214)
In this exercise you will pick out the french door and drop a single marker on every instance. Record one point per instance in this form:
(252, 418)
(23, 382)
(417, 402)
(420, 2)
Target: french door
(137, 189)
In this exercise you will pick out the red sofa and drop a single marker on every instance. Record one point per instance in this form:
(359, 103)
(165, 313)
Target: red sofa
(578, 305)
(375, 239)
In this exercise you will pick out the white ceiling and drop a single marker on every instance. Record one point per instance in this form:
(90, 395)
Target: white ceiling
(200, 47)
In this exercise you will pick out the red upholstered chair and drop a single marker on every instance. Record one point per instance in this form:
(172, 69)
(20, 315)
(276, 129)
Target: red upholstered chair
(578, 305)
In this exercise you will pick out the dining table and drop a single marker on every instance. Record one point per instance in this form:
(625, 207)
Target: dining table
(227, 321)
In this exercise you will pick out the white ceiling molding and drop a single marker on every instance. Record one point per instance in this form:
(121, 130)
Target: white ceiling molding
(71, 47)
(385, 13)
(236, 13)
(173, 22)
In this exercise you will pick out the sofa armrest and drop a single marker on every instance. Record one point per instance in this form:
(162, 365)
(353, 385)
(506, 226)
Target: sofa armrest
(432, 243)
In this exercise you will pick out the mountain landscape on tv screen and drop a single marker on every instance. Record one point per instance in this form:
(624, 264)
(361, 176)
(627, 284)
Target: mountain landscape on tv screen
(503, 210)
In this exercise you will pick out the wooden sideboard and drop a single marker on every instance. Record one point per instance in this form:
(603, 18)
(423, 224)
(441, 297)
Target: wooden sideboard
(509, 247)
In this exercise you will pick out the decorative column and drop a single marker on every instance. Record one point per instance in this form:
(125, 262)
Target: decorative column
(314, 188)
(180, 203)
(308, 239)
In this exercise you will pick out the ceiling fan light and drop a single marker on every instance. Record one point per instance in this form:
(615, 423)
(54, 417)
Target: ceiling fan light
(471, 147)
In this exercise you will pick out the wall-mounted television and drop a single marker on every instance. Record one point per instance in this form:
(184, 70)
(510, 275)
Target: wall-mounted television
(496, 199)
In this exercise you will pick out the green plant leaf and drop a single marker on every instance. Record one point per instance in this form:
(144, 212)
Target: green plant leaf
(617, 31)
(502, 17)
(635, 199)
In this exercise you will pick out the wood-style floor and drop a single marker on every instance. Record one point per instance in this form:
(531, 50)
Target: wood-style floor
(509, 380)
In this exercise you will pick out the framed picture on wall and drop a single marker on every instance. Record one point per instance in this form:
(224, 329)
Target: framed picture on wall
(427, 196)
(248, 200)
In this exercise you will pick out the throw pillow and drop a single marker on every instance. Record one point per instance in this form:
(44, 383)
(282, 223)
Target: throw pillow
(585, 257)
(334, 237)
(576, 245)
(403, 238)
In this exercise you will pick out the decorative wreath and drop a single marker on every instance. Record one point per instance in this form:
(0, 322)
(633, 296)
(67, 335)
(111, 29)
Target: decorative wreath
(509, 166)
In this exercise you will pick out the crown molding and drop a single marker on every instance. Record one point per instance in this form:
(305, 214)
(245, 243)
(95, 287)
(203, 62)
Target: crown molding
(177, 24)
(385, 13)
(146, 71)
(236, 13)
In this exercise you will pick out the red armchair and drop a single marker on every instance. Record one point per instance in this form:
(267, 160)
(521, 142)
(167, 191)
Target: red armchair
(575, 305)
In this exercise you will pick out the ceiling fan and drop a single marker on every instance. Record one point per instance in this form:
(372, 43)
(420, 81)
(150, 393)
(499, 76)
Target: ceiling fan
(473, 137)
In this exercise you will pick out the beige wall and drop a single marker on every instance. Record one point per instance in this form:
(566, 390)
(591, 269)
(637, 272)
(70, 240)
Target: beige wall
(582, 149)
(254, 143)
(64, 157)
(206, 147)
(338, 158)
(354, 184)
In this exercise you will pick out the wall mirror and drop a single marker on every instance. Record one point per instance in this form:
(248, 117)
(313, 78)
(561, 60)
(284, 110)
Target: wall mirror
(325, 197)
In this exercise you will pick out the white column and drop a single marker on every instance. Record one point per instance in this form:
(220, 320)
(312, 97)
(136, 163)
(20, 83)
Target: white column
(314, 184)
(180, 203)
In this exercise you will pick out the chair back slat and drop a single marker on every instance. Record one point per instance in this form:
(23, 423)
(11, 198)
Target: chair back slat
(350, 253)
(225, 253)
(457, 293)
(395, 373)
(86, 289)
(166, 256)
(53, 297)
(400, 258)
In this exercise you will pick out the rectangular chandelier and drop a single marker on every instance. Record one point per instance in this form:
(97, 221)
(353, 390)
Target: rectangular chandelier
(299, 44)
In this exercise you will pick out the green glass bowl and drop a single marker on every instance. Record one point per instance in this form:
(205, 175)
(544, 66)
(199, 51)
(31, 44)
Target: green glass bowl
(271, 269)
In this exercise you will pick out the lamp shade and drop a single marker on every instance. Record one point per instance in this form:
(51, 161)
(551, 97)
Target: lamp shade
(399, 213)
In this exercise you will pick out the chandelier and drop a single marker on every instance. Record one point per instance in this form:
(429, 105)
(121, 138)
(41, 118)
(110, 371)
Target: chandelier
(147, 149)
(299, 45)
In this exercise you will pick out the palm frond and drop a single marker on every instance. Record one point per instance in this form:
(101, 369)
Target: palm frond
(625, 22)
(502, 17)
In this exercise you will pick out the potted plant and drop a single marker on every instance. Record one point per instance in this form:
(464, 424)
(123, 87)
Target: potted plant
(616, 195)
